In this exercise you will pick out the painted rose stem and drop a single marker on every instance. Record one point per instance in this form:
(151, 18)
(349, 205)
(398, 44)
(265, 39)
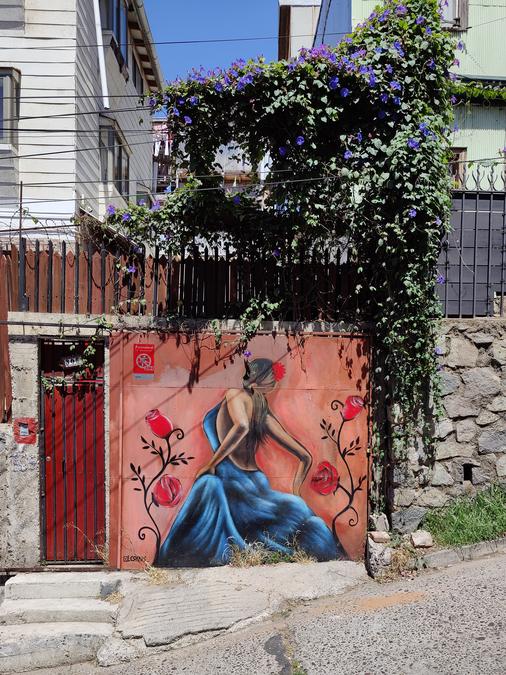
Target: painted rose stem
(352, 407)
(167, 491)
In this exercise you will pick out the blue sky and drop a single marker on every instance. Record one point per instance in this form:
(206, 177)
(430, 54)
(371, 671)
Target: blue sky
(208, 19)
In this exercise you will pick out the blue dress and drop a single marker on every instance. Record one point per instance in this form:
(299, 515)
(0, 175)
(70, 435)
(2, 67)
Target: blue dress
(238, 507)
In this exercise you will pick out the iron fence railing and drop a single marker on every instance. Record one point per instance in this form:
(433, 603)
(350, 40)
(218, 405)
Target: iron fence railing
(472, 263)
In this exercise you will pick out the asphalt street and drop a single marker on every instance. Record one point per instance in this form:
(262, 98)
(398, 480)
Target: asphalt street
(440, 622)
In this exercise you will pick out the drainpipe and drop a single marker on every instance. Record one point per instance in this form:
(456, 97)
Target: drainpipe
(101, 54)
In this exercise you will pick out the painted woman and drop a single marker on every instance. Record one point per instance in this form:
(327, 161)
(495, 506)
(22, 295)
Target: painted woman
(231, 502)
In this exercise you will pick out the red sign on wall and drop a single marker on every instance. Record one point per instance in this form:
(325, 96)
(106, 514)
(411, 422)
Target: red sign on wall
(144, 361)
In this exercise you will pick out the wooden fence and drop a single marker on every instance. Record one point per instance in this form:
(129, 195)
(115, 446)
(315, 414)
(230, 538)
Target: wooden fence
(199, 283)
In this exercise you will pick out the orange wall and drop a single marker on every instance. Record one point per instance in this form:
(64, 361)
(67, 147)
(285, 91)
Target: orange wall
(191, 377)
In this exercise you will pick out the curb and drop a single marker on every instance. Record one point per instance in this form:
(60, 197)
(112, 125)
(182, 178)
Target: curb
(453, 556)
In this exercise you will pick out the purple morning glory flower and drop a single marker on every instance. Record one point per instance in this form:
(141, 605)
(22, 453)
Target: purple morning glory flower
(175, 111)
(180, 101)
(440, 279)
(419, 20)
(439, 368)
(378, 50)
(276, 253)
(334, 83)
(151, 102)
(455, 127)
(194, 100)
(413, 143)
(389, 68)
(438, 221)
(300, 140)
(111, 210)
(372, 80)
(188, 120)
(156, 206)
(456, 62)
(142, 202)
(345, 92)
(131, 269)
(168, 189)
(218, 86)
(452, 76)
(398, 48)
(453, 99)
(460, 46)
(424, 128)
(126, 217)
(236, 199)
(401, 9)
(282, 151)
(428, 31)
(412, 213)
(348, 154)
(438, 351)
(396, 100)
(381, 114)
(247, 353)
(395, 85)
(359, 137)
(384, 98)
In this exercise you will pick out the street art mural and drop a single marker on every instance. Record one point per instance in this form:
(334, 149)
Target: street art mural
(220, 450)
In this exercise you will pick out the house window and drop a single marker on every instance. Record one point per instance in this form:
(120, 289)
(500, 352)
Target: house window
(455, 13)
(115, 160)
(137, 77)
(9, 105)
(114, 15)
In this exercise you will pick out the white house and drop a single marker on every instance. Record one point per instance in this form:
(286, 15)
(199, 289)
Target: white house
(73, 131)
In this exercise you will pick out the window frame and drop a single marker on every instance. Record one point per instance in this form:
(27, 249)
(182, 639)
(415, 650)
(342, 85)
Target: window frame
(461, 21)
(10, 102)
(137, 77)
(114, 16)
(114, 159)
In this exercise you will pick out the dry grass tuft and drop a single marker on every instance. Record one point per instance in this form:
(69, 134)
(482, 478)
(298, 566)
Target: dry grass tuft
(115, 598)
(402, 565)
(257, 553)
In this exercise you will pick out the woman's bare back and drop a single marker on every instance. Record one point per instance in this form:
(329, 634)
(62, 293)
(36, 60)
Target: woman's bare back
(224, 423)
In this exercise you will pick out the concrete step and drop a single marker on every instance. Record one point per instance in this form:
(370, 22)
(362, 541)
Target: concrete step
(38, 645)
(40, 585)
(61, 609)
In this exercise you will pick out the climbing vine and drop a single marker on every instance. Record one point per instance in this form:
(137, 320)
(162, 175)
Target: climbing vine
(355, 140)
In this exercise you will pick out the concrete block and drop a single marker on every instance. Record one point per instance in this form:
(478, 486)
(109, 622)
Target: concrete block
(57, 610)
(36, 645)
(42, 585)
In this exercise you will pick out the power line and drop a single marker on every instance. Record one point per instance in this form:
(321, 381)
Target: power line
(167, 42)
(75, 114)
(29, 202)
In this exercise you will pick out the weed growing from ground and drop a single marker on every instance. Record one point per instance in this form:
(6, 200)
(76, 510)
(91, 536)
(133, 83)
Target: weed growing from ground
(469, 520)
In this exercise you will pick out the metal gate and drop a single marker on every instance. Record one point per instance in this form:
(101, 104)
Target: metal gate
(73, 456)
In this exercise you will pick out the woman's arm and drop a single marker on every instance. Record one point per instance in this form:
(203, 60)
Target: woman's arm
(281, 436)
(236, 406)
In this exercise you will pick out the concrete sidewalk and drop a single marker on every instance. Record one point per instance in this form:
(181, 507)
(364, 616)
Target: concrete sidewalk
(217, 599)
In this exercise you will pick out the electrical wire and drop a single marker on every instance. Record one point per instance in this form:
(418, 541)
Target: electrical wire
(166, 42)
(76, 114)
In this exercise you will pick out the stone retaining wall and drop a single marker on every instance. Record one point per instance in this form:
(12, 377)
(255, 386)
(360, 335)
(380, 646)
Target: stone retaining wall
(470, 450)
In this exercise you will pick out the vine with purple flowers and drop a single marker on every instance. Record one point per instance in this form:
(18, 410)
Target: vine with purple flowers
(342, 128)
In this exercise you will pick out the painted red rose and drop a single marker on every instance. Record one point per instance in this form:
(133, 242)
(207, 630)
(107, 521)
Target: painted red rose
(160, 425)
(352, 407)
(325, 480)
(167, 492)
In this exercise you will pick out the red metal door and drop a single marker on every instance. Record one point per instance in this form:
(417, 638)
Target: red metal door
(73, 461)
